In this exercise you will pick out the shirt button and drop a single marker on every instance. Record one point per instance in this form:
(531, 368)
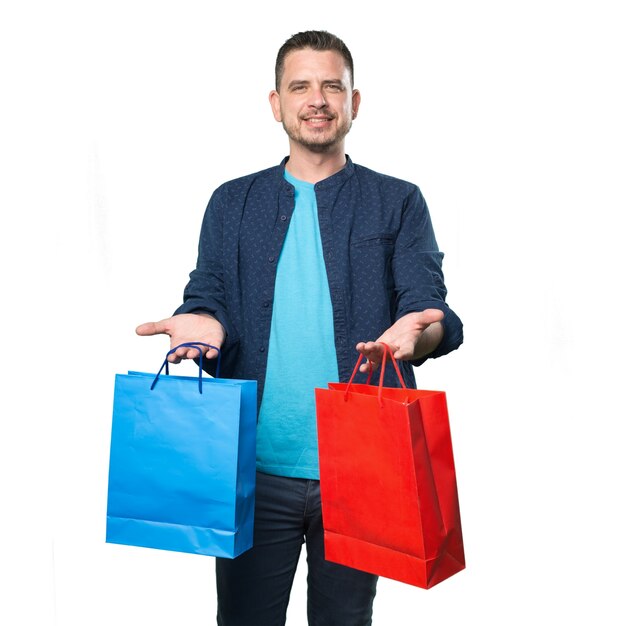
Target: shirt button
(283, 218)
(271, 259)
(266, 304)
(261, 349)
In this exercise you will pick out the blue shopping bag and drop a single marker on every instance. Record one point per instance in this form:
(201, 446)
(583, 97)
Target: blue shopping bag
(182, 462)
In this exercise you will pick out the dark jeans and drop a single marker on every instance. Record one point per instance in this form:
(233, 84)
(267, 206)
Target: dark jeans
(254, 588)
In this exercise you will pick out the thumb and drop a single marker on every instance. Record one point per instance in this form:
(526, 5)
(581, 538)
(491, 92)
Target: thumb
(152, 328)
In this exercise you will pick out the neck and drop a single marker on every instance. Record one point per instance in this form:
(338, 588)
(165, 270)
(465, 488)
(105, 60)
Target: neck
(311, 167)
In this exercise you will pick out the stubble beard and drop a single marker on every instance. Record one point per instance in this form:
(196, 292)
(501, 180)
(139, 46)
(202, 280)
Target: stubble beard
(319, 144)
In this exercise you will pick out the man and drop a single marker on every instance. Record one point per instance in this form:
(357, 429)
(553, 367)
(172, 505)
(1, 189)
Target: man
(298, 265)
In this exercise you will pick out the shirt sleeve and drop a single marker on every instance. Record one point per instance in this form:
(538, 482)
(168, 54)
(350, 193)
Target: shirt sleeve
(418, 275)
(205, 291)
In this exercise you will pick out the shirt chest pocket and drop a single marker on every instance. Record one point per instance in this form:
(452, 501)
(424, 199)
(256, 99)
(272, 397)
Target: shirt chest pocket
(373, 240)
(371, 270)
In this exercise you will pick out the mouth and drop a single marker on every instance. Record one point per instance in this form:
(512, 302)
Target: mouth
(317, 120)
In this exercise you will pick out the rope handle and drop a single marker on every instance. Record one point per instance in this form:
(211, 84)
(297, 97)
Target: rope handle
(382, 372)
(196, 345)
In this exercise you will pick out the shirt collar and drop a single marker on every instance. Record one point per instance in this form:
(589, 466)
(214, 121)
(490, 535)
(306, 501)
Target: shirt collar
(336, 179)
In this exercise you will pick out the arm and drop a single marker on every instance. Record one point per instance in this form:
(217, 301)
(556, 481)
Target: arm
(425, 326)
(205, 292)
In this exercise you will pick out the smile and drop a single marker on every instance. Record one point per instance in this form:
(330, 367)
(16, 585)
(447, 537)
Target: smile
(317, 120)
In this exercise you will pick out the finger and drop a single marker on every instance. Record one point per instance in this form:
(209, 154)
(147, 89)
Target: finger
(185, 352)
(152, 328)
(211, 353)
(403, 352)
(194, 353)
(208, 352)
(370, 348)
(189, 353)
(368, 366)
(372, 351)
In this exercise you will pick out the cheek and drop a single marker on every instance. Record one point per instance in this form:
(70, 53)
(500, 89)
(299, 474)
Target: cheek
(345, 106)
(290, 110)
(347, 110)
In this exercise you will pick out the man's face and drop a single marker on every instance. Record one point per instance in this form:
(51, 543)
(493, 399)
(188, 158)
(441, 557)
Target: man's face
(316, 103)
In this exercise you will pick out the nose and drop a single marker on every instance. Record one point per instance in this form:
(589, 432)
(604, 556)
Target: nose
(317, 99)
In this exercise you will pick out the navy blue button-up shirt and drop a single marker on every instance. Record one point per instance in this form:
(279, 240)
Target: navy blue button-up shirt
(380, 252)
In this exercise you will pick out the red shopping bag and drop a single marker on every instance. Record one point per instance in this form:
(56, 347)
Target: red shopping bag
(388, 483)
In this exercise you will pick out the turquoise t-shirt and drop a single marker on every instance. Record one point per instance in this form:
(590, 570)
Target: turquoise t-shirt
(301, 353)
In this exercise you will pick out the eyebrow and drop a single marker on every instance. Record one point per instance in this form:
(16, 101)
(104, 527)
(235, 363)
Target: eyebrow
(300, 83)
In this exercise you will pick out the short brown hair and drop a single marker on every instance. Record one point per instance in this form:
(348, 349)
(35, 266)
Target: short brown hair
(320, 40)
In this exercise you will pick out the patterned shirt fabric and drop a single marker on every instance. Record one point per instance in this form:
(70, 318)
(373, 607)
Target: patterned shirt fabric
(302, 326)
(380, 252)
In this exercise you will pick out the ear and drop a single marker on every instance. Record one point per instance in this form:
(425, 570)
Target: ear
(275, 104)
(356, 102)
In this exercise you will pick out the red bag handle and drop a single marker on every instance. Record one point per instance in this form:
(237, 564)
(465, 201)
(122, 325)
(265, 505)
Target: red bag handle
(382, 372)
(395, 366)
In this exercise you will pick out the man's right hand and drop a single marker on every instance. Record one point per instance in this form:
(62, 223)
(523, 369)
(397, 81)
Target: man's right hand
(186, 328)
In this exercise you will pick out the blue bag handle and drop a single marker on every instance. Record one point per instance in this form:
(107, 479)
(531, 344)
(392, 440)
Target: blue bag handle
(196, 345)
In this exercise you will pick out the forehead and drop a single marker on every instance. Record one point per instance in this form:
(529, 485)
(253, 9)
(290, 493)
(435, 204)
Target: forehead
(308, 64)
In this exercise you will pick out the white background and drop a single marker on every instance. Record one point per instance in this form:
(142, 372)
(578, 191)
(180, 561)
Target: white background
(118, 119)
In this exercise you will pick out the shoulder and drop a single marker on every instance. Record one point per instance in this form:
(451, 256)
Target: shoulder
(262, 181)
(384, 182)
